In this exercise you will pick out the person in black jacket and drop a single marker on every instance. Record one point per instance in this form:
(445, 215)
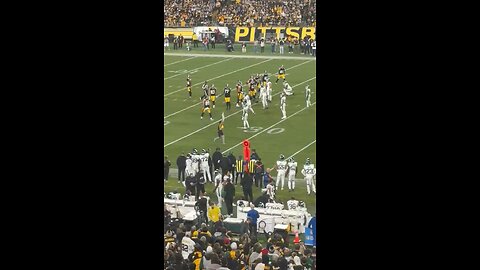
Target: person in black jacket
(259, 169)
(181, 165)
(200, 184)
(210, 164)
(225, 165)
(254, 155)
(247, 183)
(231, 163)
(190, 184)
(216, 157)
(229, 189)
(166, 168)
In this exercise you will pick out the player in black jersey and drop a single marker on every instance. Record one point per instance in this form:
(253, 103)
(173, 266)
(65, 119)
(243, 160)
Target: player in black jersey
(205, 90)
(281, 74)
(189, 86)
(227, 93)
(213, 94)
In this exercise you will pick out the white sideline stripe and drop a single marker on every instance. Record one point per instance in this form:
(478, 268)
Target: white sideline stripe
(302, 149)
(198, 68)
(218, 77)
(165, 117)
(198, 130)
(266, 129)
(244, 56)
(180, 61)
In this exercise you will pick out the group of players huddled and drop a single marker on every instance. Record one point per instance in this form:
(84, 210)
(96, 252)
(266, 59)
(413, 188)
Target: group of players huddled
(198, 165)
(259, 89)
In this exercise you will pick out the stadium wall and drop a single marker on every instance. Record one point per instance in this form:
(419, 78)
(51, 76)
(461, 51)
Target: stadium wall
(249, 34)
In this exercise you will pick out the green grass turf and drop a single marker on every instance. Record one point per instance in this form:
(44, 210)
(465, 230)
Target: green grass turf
(268, 135)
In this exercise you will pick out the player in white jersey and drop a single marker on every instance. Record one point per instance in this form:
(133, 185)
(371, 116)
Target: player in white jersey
(264, 97)
(309, 172)
(245, 115)
(188, 245)
(188, 167)
(270, 190)
(281, 170)
(287, 89)
(218, 187)
(249, 103)
(269, 91)
(307, 95)
(195, 161)
(292, 171)
(283, 105)
(204, 166)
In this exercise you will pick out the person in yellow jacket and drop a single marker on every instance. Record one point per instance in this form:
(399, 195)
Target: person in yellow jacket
(213, 213)
(195, 40)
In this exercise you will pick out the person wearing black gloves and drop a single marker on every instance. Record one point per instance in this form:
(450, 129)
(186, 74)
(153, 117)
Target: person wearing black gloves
(254, 155)
(231, 163)
(247, 183)
(216, 157)
(200, 184)
(181, 165)
(229, 189)
(166, 168)
(202, 207)
(225, 165)
(259, 169)
(190, 184)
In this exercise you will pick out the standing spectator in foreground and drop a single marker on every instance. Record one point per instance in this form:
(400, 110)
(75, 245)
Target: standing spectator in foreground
(181, 165)
(166, 168)
(255, 45)
(314, 48)
(212, 40)
(195, 40)
(210, 163)
(273, 45)
(247, 183)
(216, 157)
(259, 169)
(231, 164)
(281, 43)
(313, 226)
(175, 43)
(253, 215)
(229, 189)
(254, 155)
(262, 45)
(244, 47)
(239, 168)
(180, 41)
(225, 165)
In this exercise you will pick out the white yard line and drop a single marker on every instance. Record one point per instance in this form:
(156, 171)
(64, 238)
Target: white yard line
(198, 68)
(182, 89)
(214, 123)
(302, 149)
(177, 112)
(244, 56)
(266, 129)
(180, 61)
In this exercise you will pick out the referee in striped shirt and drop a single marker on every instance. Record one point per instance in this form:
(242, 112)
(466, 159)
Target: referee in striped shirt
(240, 164)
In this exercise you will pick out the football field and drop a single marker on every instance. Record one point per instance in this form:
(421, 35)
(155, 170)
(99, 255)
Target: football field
(268, 134)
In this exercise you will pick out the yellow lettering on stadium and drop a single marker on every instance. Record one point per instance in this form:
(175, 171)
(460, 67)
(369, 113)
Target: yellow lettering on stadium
(263, 31)
(310, 31)
(252, 34)
(290, 32)
(241, 32)
(277, 30)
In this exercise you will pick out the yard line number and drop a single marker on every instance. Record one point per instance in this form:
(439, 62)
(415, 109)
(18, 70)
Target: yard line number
(272, 131)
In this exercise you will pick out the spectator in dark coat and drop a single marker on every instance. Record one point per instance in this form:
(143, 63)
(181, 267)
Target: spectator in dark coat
(210, 164)
(216, 157)
(232, 161)
(254, 155)
(225, 165)
(229, 189)
(259, 169)
(181, 165)
(166, 168)
(247, 183)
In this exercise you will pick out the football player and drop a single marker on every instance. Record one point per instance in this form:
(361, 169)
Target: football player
(287, 89)
(264, 96)
(220, 132)
(188, 167)
(239, 88)
(213, 94)
(245, 115)
(249, 104)
(309, 172)
(195, 161)
(281, 74)
(307, 95)
(204, 165)
(189, 86)
(265, 77)
(218, 187)
(269, 91)
(227, 94)
(251, 90)
(205, 90)
(281, 170)
(292, 172)
(206, 108)
(283, 105)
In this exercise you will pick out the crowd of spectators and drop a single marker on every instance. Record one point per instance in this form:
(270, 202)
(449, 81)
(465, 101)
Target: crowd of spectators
(232, 13)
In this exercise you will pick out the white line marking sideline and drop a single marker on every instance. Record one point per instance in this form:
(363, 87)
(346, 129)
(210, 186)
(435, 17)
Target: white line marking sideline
(198, 68)
(180, 61)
